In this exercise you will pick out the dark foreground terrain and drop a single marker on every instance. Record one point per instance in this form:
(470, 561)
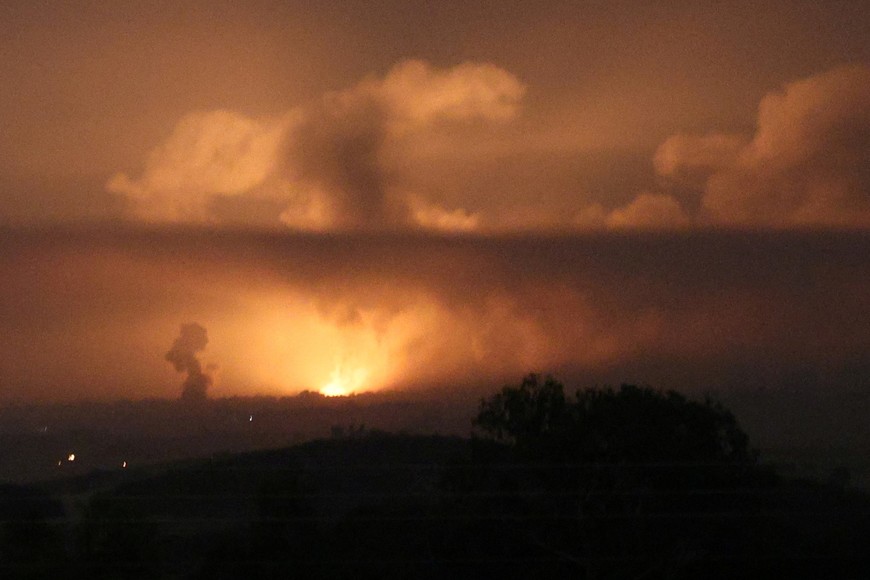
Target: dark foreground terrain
(385, 506)
(631, 484)
(807, 433)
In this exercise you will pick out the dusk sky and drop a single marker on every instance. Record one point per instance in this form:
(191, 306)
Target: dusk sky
(370, 195)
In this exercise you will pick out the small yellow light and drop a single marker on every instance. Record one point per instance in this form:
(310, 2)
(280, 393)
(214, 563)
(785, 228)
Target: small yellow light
(72, 457)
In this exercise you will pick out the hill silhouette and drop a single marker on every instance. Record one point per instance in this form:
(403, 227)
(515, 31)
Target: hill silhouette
(368, 504)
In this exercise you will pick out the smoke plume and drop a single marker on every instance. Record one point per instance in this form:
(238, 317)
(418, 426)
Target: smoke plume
(339, 162)
(182, 355)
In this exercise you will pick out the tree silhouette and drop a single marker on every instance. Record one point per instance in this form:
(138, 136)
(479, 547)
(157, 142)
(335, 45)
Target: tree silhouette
(618, 481)
(631, 424)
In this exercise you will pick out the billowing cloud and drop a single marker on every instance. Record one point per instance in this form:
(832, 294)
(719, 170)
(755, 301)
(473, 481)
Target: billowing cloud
(434, 217)
(332, 163)
(417, 95)
(208, 154)
(692, 158)
(808, 163)
(649, 211)
(356, 159)
(352, 144)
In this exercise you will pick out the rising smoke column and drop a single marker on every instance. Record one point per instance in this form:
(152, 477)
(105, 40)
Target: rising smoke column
(182, 355)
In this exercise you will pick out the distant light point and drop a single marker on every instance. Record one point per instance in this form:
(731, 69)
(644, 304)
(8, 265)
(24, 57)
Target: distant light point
(72, 457)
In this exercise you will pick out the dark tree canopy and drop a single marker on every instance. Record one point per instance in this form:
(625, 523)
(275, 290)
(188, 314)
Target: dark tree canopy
(631, 424)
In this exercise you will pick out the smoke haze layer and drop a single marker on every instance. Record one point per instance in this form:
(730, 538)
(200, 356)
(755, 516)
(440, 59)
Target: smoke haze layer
(89, 311)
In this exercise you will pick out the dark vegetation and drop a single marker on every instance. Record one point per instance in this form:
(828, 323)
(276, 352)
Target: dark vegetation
(627, 483)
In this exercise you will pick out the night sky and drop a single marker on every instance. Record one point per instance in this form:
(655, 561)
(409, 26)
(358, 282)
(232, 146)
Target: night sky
(370, 195)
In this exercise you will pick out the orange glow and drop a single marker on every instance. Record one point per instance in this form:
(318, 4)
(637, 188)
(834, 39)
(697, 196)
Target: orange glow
(284, 343)
(342, 383)
(293, 344)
